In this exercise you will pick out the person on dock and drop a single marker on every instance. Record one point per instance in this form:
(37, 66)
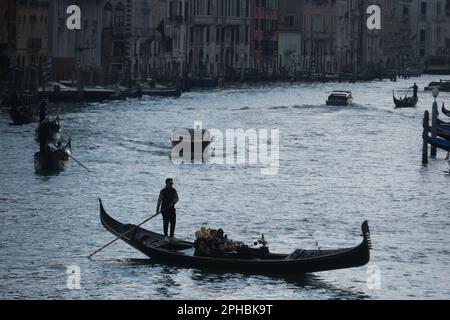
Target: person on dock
(168, 198)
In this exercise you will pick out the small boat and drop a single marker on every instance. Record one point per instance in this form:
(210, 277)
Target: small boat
(442, 85)
(61, 93)
(442, 131)
(407, 102)
(250, 260)
(445, 111)
(161, 91)
(440, 143)
(340, 98)
(53, 160)
(123, 93)
(443, 123)
(23, 114)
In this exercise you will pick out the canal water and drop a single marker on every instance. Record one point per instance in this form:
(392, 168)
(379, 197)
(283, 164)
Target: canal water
(338, 167)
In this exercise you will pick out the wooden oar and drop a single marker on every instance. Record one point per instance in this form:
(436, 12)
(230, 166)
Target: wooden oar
(122, 235)
(78, 162)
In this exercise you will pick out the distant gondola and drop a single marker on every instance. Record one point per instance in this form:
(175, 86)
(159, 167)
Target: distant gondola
(445, 111)
(408, 102)
(52, 160)
(251, 260)
(23, 115)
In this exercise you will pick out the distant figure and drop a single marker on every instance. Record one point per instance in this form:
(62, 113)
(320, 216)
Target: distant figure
(415, 90)
(42, 111)
(168, 197)
(43, 135)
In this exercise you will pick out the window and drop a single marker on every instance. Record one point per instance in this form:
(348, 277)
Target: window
(290, 20)
(119, 16)
(107, 15)
(422, 35)
(118, 48)
(423, 8)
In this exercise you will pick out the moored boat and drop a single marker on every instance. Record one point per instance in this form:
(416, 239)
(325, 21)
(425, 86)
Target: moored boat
(340, 98)
(445, 111)
(440, 143)
(258, 260)
(23, 114)
(161, 91)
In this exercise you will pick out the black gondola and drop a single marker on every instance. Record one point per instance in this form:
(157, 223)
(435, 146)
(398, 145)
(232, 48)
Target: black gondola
(407, 102)
(439, 143)
(23, 115)
(52, 160)
(445, 111)
(182, 253)
(443, 132)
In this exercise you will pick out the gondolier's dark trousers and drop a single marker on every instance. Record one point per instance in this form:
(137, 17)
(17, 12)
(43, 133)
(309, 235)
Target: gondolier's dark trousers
(169, 217)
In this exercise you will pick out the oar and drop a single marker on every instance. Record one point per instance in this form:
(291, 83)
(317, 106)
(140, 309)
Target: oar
(122, 235)
(78, 162)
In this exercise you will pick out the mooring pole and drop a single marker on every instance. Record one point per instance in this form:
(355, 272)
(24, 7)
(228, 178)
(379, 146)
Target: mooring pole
(434, 119)
(426, 128)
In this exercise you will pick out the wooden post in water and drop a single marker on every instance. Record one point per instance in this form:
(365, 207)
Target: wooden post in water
(426, 127)
(434, 117)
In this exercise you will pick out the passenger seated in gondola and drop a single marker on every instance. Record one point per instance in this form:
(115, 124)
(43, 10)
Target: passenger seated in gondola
(213, 243)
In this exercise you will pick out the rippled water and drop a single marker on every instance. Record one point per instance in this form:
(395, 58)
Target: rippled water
(338, 167)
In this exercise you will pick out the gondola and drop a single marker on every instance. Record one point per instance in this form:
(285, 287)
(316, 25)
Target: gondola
(445, 111)
(408, 102)
(53, 160)
(252, 260)
(443, 123)
(23, 115)
(442, 131)
(439, 143)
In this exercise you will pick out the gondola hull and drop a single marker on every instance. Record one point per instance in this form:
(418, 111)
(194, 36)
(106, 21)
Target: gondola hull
(181, 253)
(410, 102)
(51, 161)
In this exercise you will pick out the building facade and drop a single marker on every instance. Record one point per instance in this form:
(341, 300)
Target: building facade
(23, 41)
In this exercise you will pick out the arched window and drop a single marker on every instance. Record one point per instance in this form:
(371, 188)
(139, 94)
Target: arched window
(119, 15)
(107, 15)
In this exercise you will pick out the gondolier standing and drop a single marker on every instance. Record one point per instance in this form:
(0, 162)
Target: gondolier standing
(415, 90)
(168, 198)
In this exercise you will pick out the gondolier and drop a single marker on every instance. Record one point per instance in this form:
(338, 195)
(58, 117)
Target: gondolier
(168, 198)
(42, 111)
(415, 90)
